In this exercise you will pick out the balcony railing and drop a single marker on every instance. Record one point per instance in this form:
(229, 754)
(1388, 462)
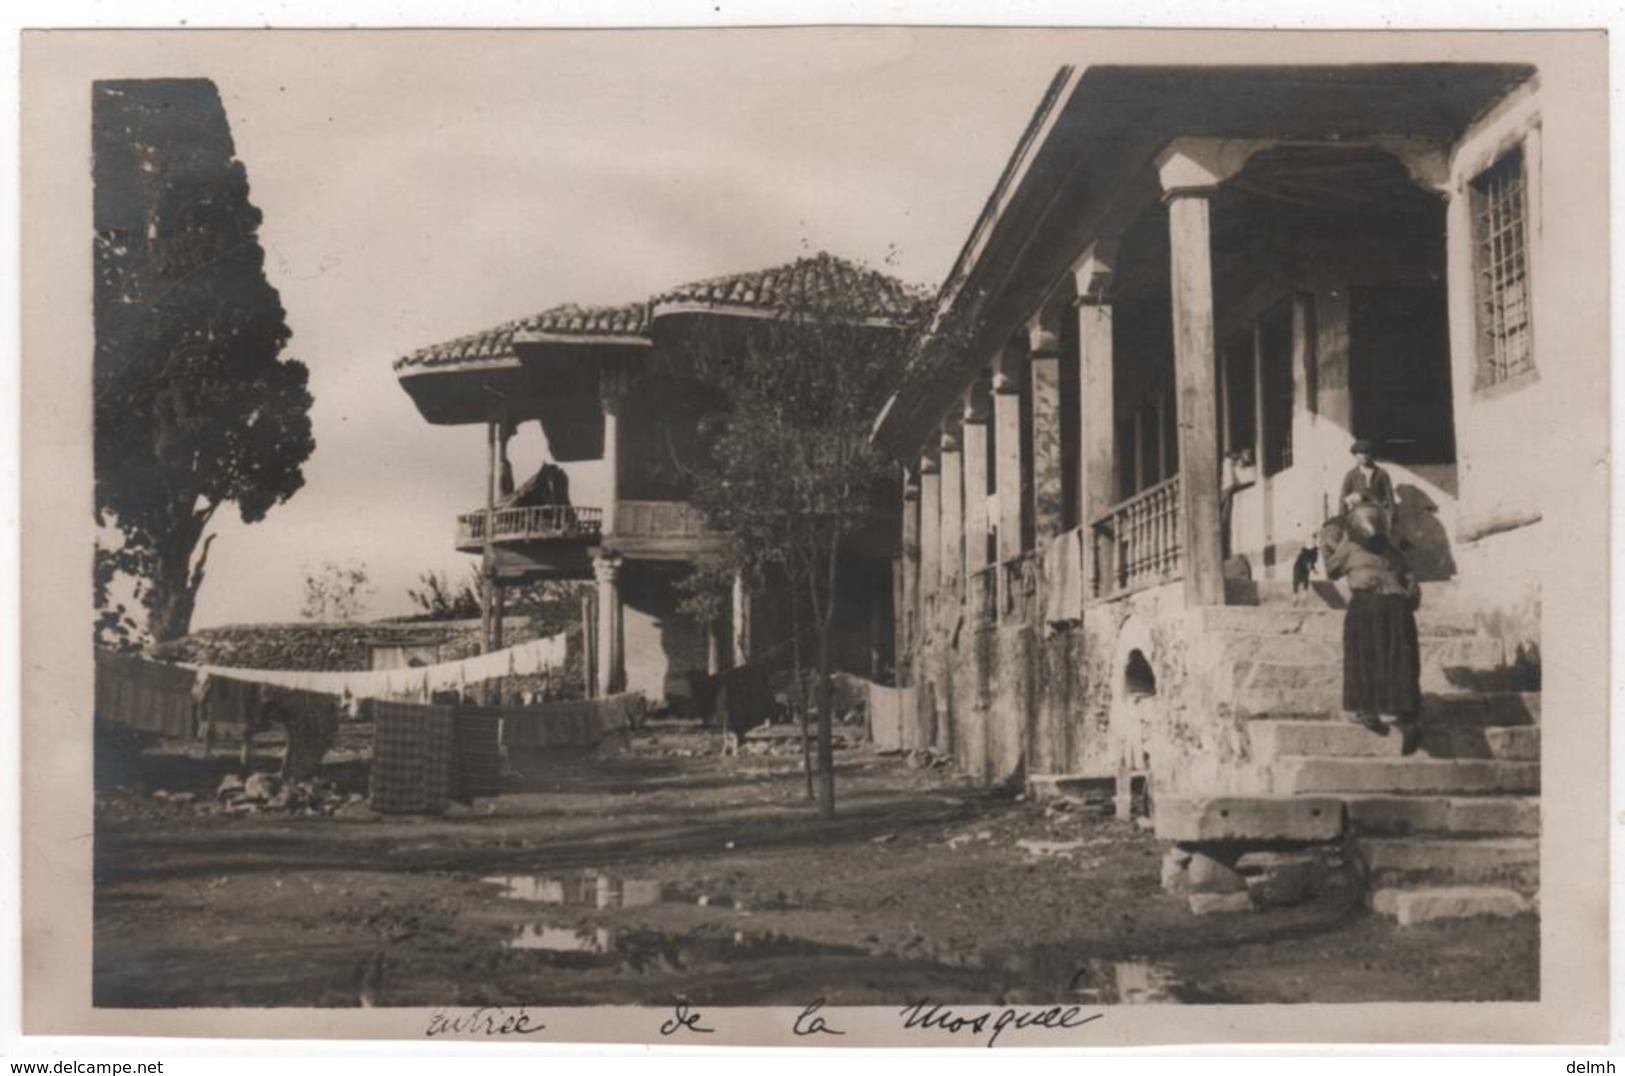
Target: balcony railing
(535, 523)
(1139, 543)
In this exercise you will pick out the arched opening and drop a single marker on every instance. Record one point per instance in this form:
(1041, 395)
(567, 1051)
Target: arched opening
(1139, 679)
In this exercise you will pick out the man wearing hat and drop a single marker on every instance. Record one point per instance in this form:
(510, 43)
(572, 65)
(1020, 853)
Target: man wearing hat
(1366, 483)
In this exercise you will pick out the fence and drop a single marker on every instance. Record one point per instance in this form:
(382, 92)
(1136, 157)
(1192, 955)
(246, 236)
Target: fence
(582, 723)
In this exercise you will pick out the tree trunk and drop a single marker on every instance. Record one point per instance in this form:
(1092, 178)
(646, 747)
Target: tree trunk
(825, 614)
(826, 750)
(171, 589)
(799, 693)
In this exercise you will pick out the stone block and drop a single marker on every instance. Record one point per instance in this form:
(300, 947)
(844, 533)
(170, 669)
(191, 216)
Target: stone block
(1249, 818)
(1174, 863)
(1215, 903)
(1412, 906)
(1500, 861)
(1278, 879)
(1204, 874)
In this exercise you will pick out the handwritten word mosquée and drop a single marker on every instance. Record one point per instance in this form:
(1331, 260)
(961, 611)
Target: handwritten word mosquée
(923, 1015)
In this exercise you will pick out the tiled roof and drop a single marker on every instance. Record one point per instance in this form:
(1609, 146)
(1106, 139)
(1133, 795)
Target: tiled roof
(805, 280)
(631, 319)
(871, 294)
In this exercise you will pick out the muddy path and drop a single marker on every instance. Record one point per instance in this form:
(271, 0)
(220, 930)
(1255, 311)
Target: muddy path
(658, 870)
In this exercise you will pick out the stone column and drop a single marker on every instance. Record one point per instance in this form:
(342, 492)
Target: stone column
(741, 624)
(611, 660)
(589, 645)
(1097, 452)
(1044, 358)
(930, 536)
(713, 648)
(1191, 171)
(974, 461)
(908, 611)
(951, 531)
(1007, 460)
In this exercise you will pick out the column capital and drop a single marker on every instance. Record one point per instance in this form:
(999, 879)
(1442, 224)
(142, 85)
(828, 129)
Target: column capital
(1427, 161)
(1044, 332)
(950, 438)
(911, 484)
(977, 401)
(606, 569)
(928, 466)
(1093, 273)
(1007, 368)
(1194, 167)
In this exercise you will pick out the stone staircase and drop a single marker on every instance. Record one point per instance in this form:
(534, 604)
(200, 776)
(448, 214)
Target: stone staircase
(1451, 831)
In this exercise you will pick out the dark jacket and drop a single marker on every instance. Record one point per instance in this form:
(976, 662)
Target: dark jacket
(1378, 489)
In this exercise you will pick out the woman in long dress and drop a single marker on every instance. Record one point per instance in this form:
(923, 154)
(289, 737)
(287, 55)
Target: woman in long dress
(1382, 664)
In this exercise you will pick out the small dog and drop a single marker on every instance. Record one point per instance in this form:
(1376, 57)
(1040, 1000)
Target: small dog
(1303, 567)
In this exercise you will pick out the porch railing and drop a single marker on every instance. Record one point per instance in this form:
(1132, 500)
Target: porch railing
(533, 523)
(1139, 543)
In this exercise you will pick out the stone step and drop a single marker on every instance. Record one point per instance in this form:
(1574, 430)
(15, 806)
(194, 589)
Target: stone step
(1274, 676)
(1472, 708)
(1301, 774)
(1392, 816)
(1432, 904)
(1464, 708)
(1416, 862)
(1472, 652)
(1318, 621)
(1344, 739)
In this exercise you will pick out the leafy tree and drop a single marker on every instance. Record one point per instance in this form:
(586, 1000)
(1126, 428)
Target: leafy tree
(336, 591)
(790, 471)
(193, 407)
(440, 600)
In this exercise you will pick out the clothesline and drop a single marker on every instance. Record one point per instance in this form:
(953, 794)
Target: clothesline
(532, 658)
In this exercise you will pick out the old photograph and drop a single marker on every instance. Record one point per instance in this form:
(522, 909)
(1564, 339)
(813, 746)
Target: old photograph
(928, 536)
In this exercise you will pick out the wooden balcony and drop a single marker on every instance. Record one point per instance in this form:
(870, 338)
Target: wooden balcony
(539, 523)
(660, 530)
(1139, 543)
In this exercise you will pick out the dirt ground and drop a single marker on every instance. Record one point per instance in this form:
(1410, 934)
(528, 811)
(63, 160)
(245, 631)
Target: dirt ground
(656, 869)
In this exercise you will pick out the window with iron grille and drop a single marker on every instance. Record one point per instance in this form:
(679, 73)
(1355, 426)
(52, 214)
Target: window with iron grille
(1499, 205)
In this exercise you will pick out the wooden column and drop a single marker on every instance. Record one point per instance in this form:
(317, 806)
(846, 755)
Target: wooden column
(1097, 471)
(908, 610)
(974, 461)
(1044, 359)
(487, 548)
(1190, 172)
(1007, 460)
(930, 535)
(612, 384)
(951, 531)
(741, 620)
(611, 658)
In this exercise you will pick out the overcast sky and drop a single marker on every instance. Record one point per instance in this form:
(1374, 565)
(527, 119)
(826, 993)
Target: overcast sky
(442, 183)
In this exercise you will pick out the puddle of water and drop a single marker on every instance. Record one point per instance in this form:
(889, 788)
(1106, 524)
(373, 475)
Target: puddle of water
(1102, 982)
(586, 890)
